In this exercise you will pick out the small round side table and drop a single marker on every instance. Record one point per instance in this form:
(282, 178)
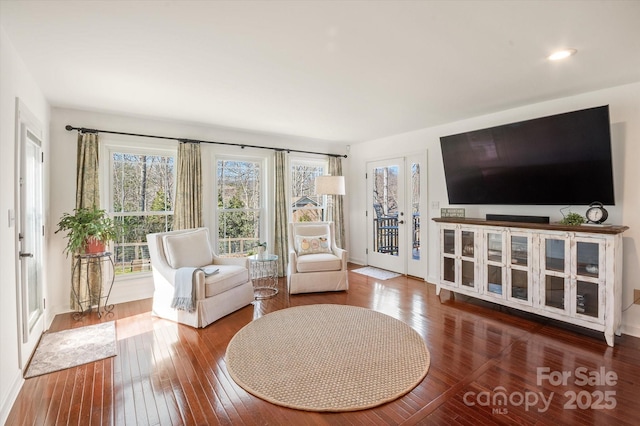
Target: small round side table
(264, 274)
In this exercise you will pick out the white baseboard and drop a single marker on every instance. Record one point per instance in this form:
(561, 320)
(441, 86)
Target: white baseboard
(358, 261)
(630, 330)
(7, 404)
(131, 289)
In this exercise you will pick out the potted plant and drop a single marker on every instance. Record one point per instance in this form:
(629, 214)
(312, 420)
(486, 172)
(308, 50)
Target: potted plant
(89, 230)
(572, 219)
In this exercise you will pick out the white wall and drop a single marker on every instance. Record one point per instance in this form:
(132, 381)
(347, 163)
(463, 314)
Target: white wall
(624, 102)
(15, 82)
(63, 156)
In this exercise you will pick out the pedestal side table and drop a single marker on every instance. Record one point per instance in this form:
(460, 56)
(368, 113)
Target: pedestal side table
(264, 274)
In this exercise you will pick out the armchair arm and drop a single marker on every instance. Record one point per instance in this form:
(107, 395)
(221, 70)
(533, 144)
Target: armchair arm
(342, 254)
(239, 261)
(293, 258)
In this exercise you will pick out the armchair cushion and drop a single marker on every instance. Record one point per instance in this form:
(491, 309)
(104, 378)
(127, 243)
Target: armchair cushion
(319, 262)
(312, 244)
(227, 277)
(187, 249)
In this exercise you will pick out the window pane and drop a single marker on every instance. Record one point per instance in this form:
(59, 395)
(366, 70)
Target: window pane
(131, 253)
(239, 184)
(238, 232)
(142, 182)
(415, 210)
(239, 206)
(306, 205)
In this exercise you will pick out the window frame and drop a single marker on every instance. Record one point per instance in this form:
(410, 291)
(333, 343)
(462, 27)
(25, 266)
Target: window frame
(109, 146)
(265, 196)
(306, 161)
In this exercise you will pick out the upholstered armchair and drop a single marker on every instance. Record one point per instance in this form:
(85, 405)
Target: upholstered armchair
(315, 262)
(216, 295)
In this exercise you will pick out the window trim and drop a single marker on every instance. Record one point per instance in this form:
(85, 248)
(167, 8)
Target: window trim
(265, 195)
(108, 146)
(308, 161)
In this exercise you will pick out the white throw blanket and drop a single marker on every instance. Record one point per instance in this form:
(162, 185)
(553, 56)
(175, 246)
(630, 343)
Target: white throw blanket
(184, 292)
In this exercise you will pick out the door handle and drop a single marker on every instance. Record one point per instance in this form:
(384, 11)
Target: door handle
(26, 254)
(401, 222)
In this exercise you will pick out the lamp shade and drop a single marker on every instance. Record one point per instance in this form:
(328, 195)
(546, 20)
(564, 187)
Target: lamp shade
(330, 185)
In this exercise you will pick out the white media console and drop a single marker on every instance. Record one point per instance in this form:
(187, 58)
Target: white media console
(569, 273)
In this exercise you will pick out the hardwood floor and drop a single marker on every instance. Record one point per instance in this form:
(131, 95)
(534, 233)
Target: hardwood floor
(169, 374)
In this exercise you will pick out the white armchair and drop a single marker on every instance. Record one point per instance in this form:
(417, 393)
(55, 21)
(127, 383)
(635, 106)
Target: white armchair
(216, 295)
(315, 262)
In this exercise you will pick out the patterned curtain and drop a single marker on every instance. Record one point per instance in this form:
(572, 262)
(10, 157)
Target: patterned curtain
(86, 278)
(188, 208)
(336, 213)
(281, 222)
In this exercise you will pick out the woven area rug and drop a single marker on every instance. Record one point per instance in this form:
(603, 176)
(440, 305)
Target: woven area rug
(70, 348)
(327, 358)
(380, 274)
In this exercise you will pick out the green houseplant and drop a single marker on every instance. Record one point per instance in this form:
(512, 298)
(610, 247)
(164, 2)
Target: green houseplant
(88, 230)
(572, 219)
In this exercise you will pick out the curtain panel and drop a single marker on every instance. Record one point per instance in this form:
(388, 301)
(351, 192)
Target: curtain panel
(336, 211)
(86, 282)
(188, 207)
(280, 227)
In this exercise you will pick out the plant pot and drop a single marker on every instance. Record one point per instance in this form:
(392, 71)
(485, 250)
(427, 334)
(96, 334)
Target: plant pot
(94, 246)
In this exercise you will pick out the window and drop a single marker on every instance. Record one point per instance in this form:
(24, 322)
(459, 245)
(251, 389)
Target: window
(141, 197)
(239, 205)
(306, 205)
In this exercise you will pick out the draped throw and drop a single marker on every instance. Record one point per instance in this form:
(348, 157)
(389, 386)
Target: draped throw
(281, 228)
(86, 282)
(336, 211)
(187, 212)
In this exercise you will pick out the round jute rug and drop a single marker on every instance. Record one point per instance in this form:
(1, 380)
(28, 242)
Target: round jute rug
(327, 358)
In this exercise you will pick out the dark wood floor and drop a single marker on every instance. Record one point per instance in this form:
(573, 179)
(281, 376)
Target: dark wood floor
(171, 374)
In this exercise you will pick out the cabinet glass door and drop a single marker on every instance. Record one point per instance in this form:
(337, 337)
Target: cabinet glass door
(589, 273)
(554, 292)
(449, 241)
(468, 265)
(495, 263)
(555, 274)
(587, 299)
(449, 256)
(587, 259)
(518, 269)
(494, 247)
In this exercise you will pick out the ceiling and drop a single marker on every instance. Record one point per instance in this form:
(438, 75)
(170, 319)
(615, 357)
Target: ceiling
(344, 71)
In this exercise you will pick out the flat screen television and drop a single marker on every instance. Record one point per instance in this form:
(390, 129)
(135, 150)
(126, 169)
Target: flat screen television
(563, 159)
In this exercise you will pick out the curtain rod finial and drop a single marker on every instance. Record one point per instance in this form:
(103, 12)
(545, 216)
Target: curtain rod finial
(68, 127)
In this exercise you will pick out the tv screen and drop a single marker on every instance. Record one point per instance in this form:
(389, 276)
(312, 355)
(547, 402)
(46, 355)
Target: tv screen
(562, 159)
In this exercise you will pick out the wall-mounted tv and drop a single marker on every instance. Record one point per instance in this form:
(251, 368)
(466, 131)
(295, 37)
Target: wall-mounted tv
(563, 159)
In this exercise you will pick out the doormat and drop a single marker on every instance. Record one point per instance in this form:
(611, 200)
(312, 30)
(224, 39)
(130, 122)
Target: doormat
(70, 348)
(380, 274)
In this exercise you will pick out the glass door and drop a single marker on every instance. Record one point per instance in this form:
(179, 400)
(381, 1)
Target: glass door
(30, 233)
(388, 219)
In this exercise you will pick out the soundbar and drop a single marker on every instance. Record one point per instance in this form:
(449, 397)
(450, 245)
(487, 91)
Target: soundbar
(517, 218)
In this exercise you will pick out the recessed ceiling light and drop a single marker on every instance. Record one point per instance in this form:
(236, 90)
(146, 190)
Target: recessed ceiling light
(562, 54)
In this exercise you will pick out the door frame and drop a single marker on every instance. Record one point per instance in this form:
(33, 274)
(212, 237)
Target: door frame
(28, 337)
(409, 266)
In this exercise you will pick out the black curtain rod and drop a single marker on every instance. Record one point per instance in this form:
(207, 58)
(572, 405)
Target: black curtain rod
(241, 145)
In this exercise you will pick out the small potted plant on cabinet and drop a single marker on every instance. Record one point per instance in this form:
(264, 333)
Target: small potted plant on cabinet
(89, 230)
